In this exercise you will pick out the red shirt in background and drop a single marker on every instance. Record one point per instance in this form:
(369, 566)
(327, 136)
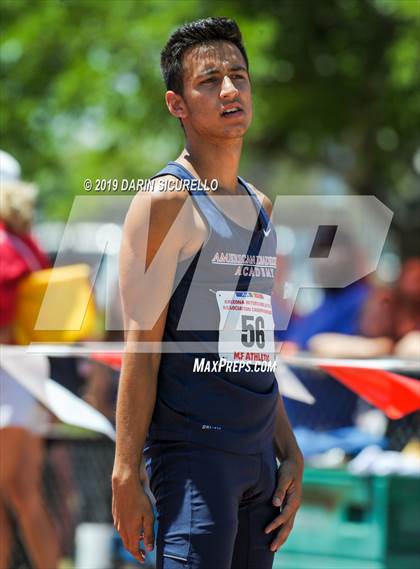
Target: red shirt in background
(19, 255)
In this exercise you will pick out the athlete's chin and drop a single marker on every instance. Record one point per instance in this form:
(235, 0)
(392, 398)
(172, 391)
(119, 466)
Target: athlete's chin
(234, 131)
(238, 128)
(227, 132)
(233, 135)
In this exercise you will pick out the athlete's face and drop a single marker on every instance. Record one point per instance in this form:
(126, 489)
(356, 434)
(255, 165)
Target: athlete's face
(216, 100)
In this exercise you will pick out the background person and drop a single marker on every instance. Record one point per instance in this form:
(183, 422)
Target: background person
(389, 322)
(23, 421)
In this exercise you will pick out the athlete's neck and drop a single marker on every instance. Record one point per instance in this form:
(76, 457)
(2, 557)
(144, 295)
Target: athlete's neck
(214, 161)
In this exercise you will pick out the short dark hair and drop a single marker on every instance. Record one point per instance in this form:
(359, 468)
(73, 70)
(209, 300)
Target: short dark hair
(193, 34)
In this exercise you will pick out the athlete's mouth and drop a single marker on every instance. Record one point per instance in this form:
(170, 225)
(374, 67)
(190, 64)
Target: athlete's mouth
(231, 110)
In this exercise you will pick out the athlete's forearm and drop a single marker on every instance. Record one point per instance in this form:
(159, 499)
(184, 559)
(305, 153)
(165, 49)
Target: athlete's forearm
(284, 439)
(136, 401)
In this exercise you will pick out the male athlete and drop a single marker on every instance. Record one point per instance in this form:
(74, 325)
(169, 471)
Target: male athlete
(203, 407)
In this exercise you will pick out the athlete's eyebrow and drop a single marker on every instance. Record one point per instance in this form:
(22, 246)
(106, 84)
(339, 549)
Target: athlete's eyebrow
(214, 70)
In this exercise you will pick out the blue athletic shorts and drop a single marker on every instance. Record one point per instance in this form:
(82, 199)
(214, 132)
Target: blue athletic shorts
(212, 506)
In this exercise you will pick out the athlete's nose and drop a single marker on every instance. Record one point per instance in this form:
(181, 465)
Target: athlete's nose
(228, 89)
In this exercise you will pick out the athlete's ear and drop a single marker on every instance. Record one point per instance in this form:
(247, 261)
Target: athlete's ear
(176, 105)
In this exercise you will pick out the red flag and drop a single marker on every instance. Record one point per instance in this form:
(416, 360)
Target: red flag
(394, 394)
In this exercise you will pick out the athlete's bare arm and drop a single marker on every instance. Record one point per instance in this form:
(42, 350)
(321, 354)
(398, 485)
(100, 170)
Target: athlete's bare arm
(289, 480)
(169, 234)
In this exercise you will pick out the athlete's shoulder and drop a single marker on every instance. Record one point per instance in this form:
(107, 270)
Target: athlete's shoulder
(166, 188)
(155, 210)
(164, 194)
(265, 200)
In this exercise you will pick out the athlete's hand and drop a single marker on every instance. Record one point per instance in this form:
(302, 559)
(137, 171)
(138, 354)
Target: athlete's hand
(287, 497)
(133, 516)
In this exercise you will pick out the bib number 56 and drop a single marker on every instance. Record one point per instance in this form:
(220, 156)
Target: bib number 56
(253, 331)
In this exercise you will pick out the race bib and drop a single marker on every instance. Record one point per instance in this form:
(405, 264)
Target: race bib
(246, 326)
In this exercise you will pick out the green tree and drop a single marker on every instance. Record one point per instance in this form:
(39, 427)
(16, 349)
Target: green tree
(336, 84)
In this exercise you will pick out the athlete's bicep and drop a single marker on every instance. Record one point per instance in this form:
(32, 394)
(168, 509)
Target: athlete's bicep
(154, 233)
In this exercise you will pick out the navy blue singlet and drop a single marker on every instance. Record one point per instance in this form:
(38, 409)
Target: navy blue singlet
(234, 269)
